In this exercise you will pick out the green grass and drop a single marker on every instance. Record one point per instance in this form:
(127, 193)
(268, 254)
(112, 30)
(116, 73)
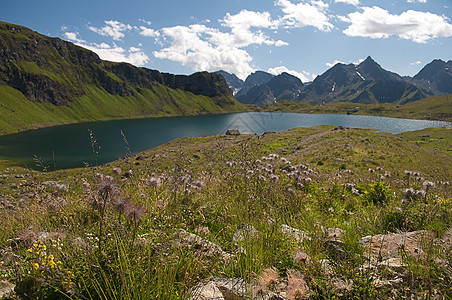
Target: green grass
(431, 108)
(140, 256)
(18, 113)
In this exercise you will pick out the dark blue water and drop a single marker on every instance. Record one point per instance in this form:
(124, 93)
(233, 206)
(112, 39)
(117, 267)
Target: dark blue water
(69, 146)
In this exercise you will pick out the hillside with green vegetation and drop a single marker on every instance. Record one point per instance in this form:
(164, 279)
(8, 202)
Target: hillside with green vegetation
(311, 213)
(45, 81)
(430, 108)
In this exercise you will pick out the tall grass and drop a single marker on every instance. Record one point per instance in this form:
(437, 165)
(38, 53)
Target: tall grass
(119, 236)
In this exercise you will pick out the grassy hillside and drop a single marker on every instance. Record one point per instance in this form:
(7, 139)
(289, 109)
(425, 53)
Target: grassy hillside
(431, 108)
(18, 113)
(312, 213)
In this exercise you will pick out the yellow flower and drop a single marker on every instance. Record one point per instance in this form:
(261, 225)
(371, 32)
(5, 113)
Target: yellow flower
(35, 266)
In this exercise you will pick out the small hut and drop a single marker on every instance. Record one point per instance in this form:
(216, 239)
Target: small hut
(234, 132)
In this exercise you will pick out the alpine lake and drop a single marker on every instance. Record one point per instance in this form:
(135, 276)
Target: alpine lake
(82, 144)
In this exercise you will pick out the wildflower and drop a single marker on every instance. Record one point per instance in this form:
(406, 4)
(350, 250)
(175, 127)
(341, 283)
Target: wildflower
(301, 257)
(268, 277)
(274, 178)
(197, 184)
(307, 180)
(297, 287)
(371, 170)
(387, 174)
(117, 170)
(417, 174)
(420, 194)
(408, 172)
(355, 191)
(409, 192)
(291, 191)
(155, 181)
(35, 266)
(428, 184)
(379, 168)
(229, 164)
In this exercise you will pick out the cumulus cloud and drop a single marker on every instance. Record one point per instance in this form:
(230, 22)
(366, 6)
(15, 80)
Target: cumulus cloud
(332, 64)
(329, 65)
(145, 31)
(206, 48)
(133, 55)
(303, 76)
(73, 36)
(114, 29)
(241, 24)
(312, 13)
(375, 22)
(352, 2)
(200, 48)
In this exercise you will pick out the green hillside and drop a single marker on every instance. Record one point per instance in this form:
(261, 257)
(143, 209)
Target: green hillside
(18, 113)
(430, 108)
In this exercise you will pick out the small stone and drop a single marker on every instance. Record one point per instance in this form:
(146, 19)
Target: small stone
(247, 231)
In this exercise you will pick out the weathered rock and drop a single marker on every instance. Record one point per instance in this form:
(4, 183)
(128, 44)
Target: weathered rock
(246, 232)
(294, 233)
(220, 288)
(205, 247)
(391, 283)
(56, 185)
(382, 247)
(207, 291)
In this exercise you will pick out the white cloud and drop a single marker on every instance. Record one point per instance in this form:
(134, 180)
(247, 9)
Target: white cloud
(144, 31)
(305, 14)
(375, 22)
(352, 2)
(73, 36)
(330, 65)
(415, 63)
(145, 21)
(200, 48)
(115, 53)
(113, 29)
(413, 1)
(304, 76)
(133, 55)
(241, 24)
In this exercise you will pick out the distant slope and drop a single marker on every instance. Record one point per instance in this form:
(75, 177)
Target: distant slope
(46, 81)
(431, 108)
(235, 83)
(367, 82)
(255, 79)
(281, 87)
(436, 76)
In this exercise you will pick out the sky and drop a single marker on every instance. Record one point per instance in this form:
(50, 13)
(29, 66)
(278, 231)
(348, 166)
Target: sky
(301, 37)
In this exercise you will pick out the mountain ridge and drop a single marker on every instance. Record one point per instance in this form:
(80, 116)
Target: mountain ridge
(366, 82)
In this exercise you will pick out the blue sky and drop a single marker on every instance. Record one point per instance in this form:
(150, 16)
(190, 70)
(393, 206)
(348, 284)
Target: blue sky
(303, 37)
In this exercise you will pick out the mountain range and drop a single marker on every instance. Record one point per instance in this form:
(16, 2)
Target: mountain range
(47, 81)
(366, 82)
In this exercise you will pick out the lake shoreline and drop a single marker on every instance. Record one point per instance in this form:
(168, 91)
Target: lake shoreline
(94, 143)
